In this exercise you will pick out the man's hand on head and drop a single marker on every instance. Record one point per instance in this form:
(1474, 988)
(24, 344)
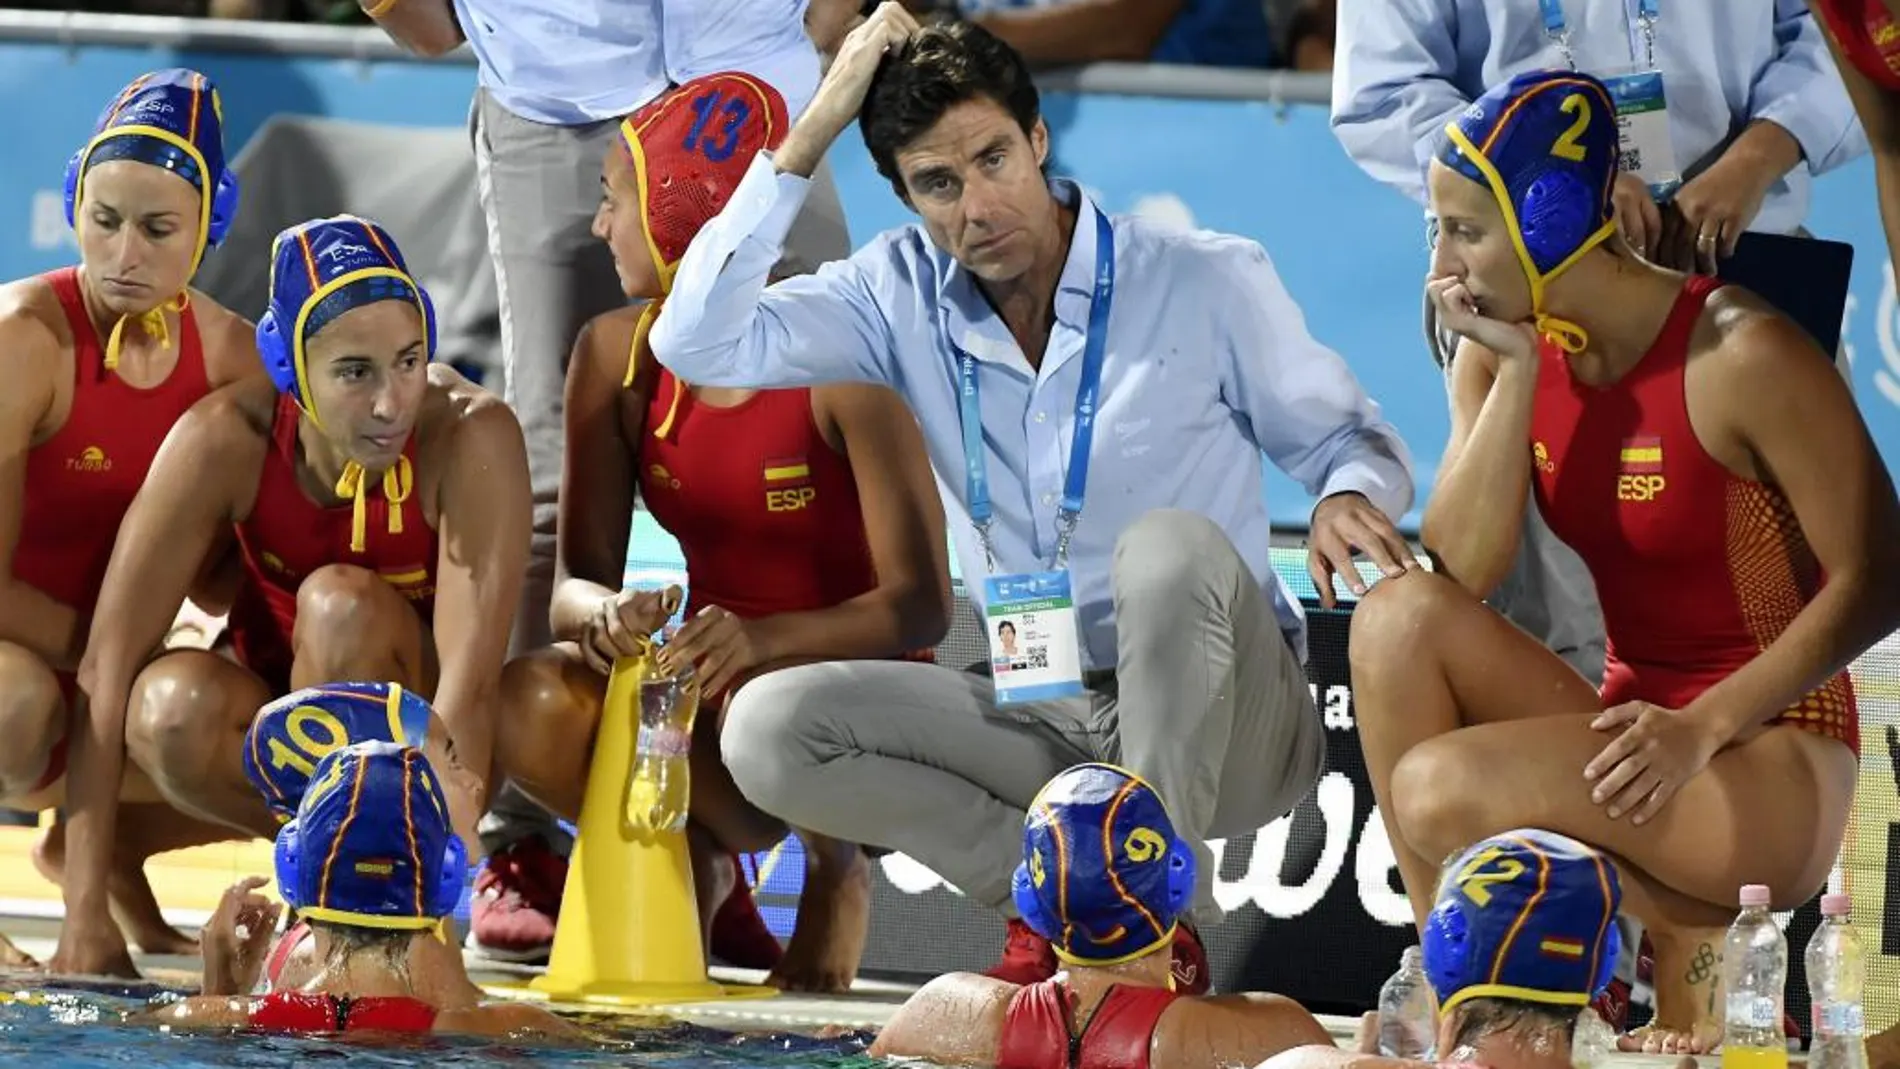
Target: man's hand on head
(841, 94)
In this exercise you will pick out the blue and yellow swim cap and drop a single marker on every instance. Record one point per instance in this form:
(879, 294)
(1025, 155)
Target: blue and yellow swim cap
(290, 735)
(1546, 145)
(319, 270)
(1104, 876)
(171, 119)
(371, 845)
(1529, 915)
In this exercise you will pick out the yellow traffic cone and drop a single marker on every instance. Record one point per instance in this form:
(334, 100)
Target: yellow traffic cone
(629, 932)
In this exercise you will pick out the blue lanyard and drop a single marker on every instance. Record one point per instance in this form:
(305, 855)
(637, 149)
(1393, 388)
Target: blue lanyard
(1647, 11)
(1094, 351)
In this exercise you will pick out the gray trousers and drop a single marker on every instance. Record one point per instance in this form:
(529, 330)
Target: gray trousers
(540, 186)
(1208, 702)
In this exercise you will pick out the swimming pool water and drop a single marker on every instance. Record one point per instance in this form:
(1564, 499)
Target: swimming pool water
(80, 1028)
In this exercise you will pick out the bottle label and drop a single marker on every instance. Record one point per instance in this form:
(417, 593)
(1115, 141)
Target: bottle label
(663, 741)
(1839, 1019)
(1749, 1010)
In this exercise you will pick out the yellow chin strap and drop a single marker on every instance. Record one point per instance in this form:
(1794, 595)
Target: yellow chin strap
(152, 323)
(1562, 333)
(398, 483)
(630, 137)
(399, 479)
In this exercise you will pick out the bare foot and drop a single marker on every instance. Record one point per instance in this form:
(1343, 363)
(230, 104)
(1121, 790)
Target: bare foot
(834, 917)
(1688, 994)
(12, 957)
(134, 906)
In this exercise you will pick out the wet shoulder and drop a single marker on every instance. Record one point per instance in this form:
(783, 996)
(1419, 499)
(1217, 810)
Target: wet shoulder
(606, 340)
(35, 341)
(1739, 332)
(456, 410)
(238, 414)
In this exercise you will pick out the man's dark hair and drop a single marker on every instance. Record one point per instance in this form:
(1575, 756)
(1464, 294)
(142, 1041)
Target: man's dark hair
(945, 65)
(1481, 1017)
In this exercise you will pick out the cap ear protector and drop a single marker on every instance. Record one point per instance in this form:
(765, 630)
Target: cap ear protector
(442, 899)
(224, 191)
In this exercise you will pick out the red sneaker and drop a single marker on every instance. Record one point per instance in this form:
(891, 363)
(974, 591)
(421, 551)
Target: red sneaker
(1613, 1005)
(740, 937)
(1191, 974)
(516, 901)
(1027, 958)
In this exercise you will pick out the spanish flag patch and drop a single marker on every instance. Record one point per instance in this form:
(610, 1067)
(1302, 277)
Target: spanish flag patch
(1642, 455)
(1569, 949)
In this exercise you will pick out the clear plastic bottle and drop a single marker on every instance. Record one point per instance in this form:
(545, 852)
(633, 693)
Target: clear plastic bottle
(1837, 975)
(1754, 978)
(660, 788)
(1408, 1013)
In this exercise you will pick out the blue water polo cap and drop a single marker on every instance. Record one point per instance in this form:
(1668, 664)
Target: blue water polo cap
(1104, 876)
(319, 270)
(1546, 145)
(371, 845)
(1528, 915)
(171, 119)
(290, 735)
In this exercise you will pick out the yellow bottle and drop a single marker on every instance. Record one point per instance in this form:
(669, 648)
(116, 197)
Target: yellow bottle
(660, 790)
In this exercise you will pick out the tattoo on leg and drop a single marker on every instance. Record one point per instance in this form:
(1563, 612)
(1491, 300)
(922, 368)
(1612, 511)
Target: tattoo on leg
(1702, 967)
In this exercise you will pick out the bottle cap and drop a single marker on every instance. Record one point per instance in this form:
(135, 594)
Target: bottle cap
(1754, 894)
(1836, 905)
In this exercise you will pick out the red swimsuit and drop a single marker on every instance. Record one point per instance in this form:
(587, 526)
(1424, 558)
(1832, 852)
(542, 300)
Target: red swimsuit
(1038, 1030)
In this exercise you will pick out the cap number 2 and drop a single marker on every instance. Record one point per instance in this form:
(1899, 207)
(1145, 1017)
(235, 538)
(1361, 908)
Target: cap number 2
(1567, 147)
(1476, 884)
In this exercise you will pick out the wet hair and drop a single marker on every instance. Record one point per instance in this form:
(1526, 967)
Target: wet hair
(1478, 1018)
(943, 66)
(348, 940)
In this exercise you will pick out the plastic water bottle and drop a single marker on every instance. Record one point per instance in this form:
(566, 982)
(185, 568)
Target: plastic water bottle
(1754, 976)
(1837, 973)
(660, 790)
(1408, 1013)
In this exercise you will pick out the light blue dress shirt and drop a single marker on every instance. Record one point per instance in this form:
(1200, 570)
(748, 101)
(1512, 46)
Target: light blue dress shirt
(1402, 69)
(1208, 363)
(573, 62)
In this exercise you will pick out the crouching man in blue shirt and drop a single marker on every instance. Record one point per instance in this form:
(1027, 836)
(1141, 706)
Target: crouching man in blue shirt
(1096, 394)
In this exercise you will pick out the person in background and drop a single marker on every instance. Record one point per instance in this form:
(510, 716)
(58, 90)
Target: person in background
(555, 79)
(371, 864)
(1520, 939)
(103, 358)
(1105, 879)
(809, 523)
(1096, 394)
(1056, 33)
